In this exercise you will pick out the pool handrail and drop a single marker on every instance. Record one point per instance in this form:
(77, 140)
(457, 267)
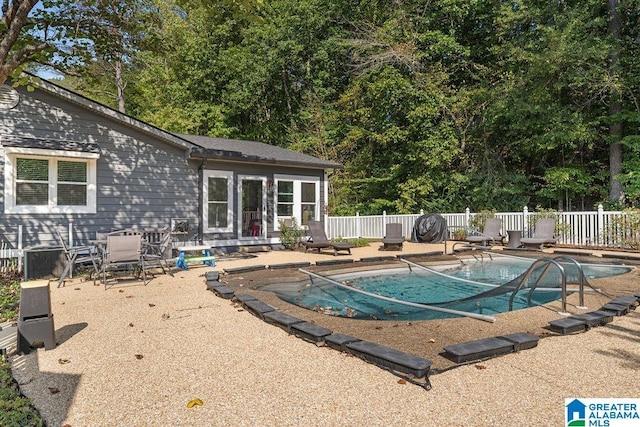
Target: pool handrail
(549, 262)
(482, 317)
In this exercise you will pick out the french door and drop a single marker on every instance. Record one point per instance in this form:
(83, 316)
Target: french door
(252, 217)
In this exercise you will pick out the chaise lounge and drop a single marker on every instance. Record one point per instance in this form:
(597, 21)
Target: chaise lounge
(320, 241)
(490, 235)
(543, 234)
(393, 238)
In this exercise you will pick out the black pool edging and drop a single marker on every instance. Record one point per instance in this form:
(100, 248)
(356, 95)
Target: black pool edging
(404, 365)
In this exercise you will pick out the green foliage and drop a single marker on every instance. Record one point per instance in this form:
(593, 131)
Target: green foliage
(9, 296)
(290, 233)
(478, 220)
(358, 242)
(15, 409)
(625, 229)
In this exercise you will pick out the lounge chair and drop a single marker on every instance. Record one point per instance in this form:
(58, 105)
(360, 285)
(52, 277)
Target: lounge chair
(77, 255)
(320, 241)
(543, 234)
(123, 253)
(490, 235)
(393, 238)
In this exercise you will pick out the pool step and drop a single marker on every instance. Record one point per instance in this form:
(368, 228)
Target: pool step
(395, 361)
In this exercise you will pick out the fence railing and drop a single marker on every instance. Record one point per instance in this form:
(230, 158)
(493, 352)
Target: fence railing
(589, 228)
(11, 250)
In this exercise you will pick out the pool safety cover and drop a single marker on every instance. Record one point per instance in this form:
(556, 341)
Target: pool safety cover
(430, 228)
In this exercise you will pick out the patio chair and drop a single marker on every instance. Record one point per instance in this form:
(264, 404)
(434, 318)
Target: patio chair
(393, 238)
(490, 234)
(158, 254)
(320, 241)
(123, 252)
(77, 255)
(543, 234)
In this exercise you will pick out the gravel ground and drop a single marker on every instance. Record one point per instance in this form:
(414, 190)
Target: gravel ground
(136, 356)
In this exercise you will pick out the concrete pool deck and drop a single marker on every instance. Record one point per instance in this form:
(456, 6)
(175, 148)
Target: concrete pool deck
(135, 355)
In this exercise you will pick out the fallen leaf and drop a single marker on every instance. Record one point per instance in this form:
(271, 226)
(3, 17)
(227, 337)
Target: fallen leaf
(63, 361)
(131, 325)
(165, 316)
(194, 402)
(67, 425)
(53, 390)
(76, 289)
(121, 291)
(378, 327)
(129, 296)
(431, 341)
(480, 367)
(151, 305)
(401, 381)
(139, 356)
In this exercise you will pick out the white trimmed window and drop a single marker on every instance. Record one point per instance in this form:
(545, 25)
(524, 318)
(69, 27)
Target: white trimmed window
(297, 197)
(49, 181)
(218, 201)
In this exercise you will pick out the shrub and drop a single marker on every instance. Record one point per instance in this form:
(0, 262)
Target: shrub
(9, 296)
(479, 219)
(15, 409)
(290, 233)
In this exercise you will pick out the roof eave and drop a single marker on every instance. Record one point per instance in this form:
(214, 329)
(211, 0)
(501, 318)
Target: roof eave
(236, 156)
(113, 114)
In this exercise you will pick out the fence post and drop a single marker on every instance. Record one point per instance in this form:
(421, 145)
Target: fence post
(600, 237)
(358, 224)
(20, 252)
(525, 221)
(467, 217)
(70, 233)
(421, 212)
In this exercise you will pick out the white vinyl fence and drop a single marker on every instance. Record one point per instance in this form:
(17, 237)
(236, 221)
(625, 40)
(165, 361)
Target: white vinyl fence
(590, 228)
(11, 250)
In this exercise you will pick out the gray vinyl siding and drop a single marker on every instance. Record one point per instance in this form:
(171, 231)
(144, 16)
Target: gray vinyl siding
(141, 181)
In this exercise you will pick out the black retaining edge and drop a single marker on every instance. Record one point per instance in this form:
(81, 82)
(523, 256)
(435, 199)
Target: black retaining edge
(258, 307)
(379, 258)
(289, 265)
(394, 361)
(339, 341)
(595, 318)
(629, 301)
(521, 340)
(432, 253)
(310, 332)
(283, 320)
(243, 297)
(211, 275)
(478, 349)
(334, 261)
(222, 291)
(568, 326)
(617, 309)
(247, 269)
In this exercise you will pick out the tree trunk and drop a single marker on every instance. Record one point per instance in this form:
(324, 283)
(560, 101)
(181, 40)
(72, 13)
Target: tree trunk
(616, 194)
(120, 86)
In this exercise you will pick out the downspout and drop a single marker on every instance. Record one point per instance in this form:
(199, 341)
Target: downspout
(201, 201)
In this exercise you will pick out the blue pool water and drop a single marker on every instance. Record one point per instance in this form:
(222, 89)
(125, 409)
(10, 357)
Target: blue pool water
(462, 289)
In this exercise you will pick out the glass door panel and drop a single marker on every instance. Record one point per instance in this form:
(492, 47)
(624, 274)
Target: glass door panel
(253, 207)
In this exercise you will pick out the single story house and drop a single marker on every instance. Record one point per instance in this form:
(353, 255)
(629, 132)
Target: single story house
(67, 159)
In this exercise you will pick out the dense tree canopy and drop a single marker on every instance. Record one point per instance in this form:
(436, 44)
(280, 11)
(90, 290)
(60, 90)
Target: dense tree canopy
(436, 106)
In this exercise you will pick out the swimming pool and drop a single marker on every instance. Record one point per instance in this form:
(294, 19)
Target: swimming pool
(479, 287)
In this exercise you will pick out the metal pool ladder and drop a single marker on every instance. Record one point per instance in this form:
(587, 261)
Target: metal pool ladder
(549, 264)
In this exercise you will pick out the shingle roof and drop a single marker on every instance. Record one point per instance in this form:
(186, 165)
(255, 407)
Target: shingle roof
(48, 144)
(252, 151)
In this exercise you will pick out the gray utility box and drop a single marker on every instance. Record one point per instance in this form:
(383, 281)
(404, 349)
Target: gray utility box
(44, 261)
(35, 320)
